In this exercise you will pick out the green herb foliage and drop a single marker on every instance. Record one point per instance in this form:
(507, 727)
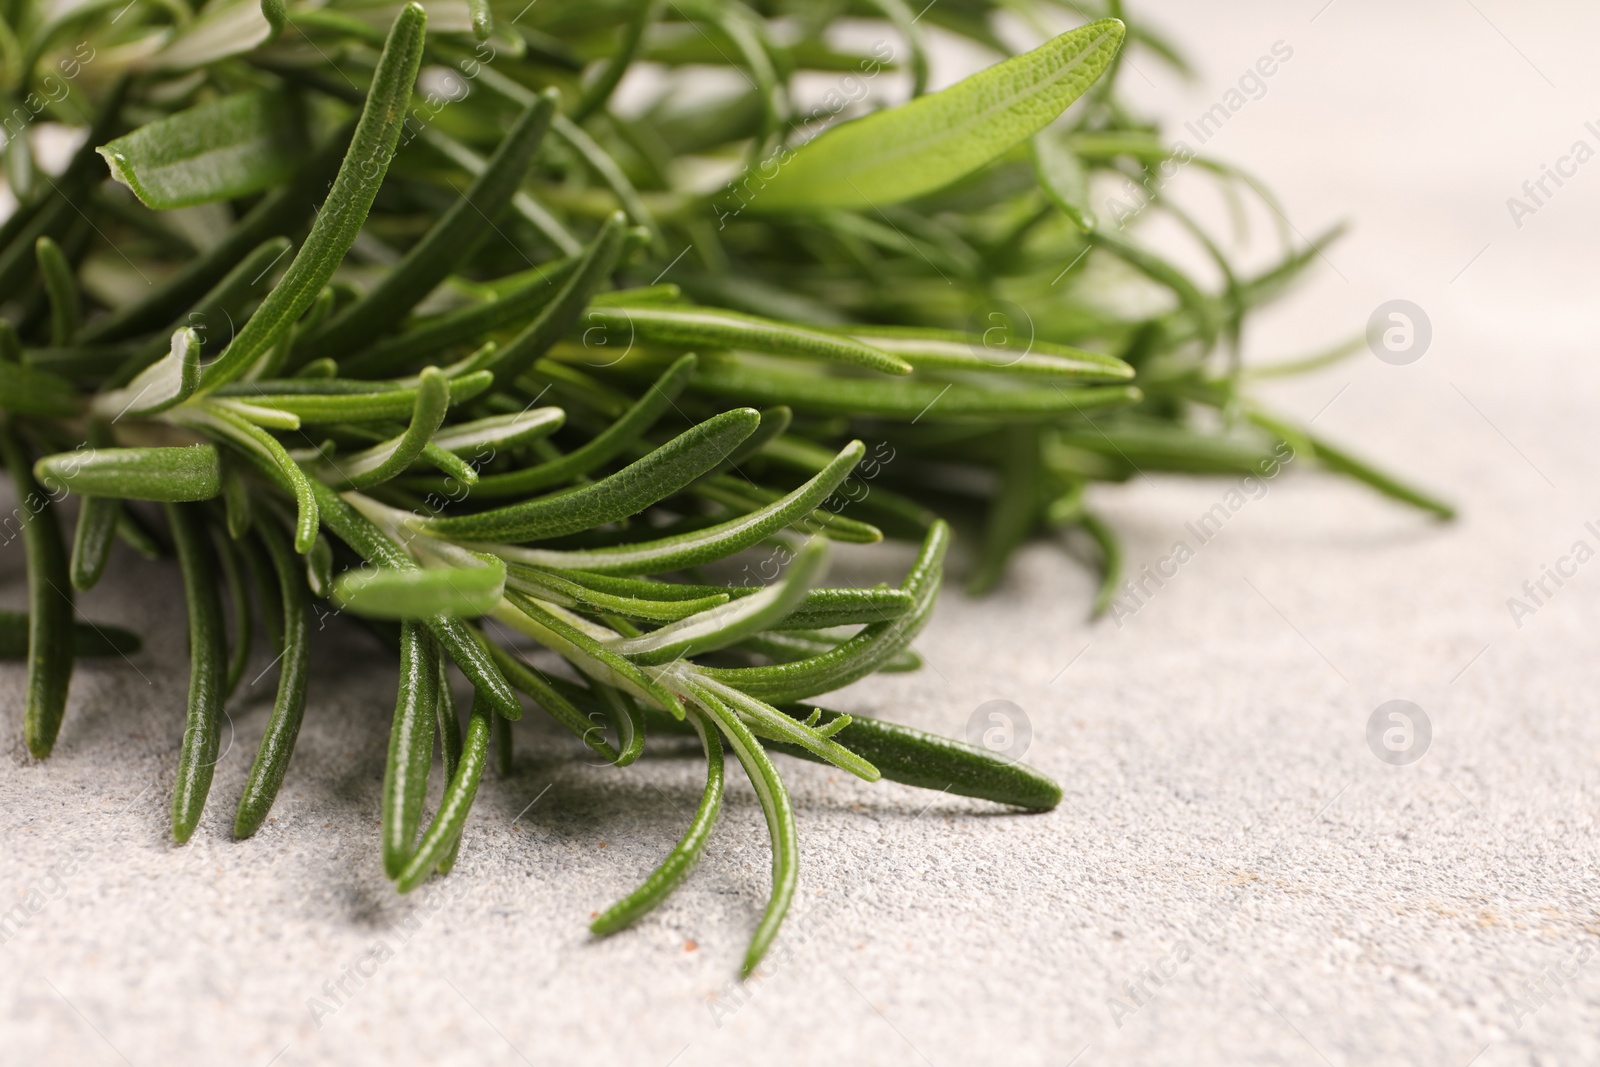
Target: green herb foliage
(474, 360)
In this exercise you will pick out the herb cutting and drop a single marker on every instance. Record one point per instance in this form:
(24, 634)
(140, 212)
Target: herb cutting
(399, 313)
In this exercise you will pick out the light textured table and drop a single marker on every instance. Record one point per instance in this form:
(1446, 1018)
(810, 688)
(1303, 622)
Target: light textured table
(1233, 877)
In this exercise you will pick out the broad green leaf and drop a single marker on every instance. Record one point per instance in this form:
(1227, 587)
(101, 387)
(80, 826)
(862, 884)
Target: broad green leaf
(166, 474)
(233, 147)
(894, 155)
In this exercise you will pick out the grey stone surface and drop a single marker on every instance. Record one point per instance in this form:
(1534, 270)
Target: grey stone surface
(1233, 878)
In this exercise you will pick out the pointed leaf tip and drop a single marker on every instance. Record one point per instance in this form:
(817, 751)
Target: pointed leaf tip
(929, 142)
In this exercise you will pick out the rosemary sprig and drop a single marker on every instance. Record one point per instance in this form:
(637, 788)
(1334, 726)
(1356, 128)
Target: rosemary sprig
(515, 369)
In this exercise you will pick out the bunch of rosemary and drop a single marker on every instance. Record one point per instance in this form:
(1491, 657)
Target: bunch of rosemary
(376, 313)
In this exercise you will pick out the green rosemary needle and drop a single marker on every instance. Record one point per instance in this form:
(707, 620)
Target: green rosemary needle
(50, 641)
(202, 726)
